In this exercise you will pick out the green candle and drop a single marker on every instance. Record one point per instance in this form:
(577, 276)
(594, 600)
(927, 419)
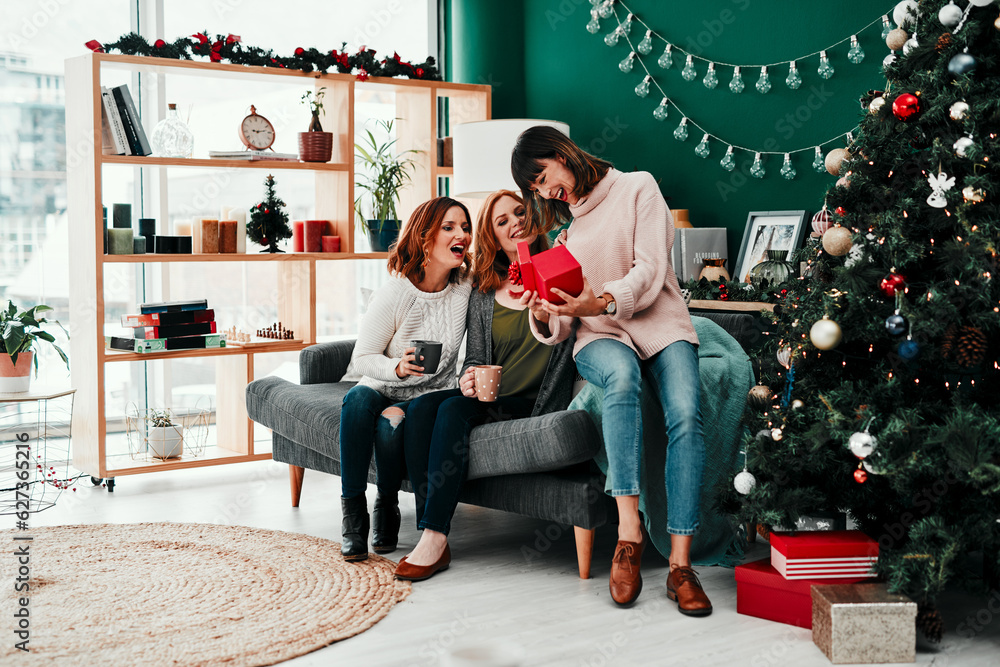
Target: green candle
(138, 245)
(120, 241)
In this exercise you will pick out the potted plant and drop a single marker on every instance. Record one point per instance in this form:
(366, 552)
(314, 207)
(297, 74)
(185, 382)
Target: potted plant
(315, 145)
(165, 439)
(381, 176)
(20, 330)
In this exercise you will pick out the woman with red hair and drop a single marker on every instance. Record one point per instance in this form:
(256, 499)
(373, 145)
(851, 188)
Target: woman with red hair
(426, 298)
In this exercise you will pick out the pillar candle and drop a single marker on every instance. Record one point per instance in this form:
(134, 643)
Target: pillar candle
(138, 245)
(227, 236)
(331, 244)
(182, 228)
(240, 216)
(209, 236)
(314, 231)
(224, 213)
(167, 245)
(121, 215)
(298, 236)
(120, 241)
(182, 245)
(147, 226)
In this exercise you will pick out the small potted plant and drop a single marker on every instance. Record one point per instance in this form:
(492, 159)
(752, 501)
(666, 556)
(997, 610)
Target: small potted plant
(21, 330)
(165, 439)
(315, 145)
(381, 177)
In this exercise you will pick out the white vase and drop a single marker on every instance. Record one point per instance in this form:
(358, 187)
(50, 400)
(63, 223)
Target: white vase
(166, 442)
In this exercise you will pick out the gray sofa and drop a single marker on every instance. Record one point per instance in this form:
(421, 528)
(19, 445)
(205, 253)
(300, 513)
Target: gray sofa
(539, 467)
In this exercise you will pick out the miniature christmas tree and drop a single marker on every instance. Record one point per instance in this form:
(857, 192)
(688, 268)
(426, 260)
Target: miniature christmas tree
(886, 401)
(268, 221)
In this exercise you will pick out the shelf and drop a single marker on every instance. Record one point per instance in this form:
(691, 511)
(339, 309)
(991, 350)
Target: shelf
(154, 258)
(214, 455)
(214, 163)
(276, 346)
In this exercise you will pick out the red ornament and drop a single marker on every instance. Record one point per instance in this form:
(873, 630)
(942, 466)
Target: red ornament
(420, 72)
(267, 210)
(159, 43)
(299, 51)
(94, 46)
(362, 75)
(905, 106)
(860, 476)
(840, 211)
(891, 284)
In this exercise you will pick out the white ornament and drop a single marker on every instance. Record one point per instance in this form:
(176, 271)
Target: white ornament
(958, 110)
(784, 356)
(876, 105)
(980, 3)
(862, 444)
(940, 184)
(888, 60)
(950, 15)
(962, 146)
(905, 13)
(872, 468)
(857, 253)
(825, 334)
(970, 193)
(745, 481)
(911, 44)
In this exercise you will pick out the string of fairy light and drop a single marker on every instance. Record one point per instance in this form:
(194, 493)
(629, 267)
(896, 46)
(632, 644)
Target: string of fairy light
(605, 9)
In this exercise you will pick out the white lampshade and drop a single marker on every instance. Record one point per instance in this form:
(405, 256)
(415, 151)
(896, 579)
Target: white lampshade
(482, 154)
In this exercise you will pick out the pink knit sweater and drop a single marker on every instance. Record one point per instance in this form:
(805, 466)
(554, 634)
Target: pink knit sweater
(621, 234)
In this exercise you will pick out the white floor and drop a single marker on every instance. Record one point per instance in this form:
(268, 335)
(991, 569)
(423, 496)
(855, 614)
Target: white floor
(513, 580)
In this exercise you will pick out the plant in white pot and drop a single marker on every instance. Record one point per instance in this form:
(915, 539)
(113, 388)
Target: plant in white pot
(165, 439)
(21, 330)
(381, 176)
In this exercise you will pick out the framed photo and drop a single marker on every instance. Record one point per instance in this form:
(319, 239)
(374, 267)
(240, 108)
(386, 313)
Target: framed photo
(769, 230)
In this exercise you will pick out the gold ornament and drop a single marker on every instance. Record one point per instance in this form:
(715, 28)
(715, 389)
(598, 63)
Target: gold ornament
(996, 24)
(797, 404)
(760, 396)
(972, 194)
(896, 38)
(837, 241)
(825, 334)
(834, 160)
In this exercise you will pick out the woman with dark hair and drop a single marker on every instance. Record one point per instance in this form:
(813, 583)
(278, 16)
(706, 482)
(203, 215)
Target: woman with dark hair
(634, 324)
(425, 299)
(536, 379)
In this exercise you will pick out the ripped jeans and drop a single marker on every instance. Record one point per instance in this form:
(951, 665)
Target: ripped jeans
(363, 428)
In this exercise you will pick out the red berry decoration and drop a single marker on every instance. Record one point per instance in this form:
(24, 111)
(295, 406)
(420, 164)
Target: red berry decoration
(906, 106)
(860, 476)
(840, 210)
(514, 274)
(891, 284)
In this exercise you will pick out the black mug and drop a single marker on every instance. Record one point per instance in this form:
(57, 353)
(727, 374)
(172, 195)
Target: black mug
(430, 350)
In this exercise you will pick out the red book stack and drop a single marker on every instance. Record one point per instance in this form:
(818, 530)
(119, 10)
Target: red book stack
(181, 325)
(778, 588)
(555, 267)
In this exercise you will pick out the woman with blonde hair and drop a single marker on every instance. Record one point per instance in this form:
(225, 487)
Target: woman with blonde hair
(426, 298)
(536, 379)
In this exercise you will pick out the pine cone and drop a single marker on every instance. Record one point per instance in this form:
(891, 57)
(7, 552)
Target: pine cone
(943, 41)
(930, 623)
(969, 346)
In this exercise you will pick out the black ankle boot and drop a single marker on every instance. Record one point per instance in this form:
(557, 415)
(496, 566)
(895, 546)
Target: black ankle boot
(385, 524)
(355, 528)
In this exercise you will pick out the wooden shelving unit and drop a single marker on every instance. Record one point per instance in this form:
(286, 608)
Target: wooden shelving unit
(417, 110)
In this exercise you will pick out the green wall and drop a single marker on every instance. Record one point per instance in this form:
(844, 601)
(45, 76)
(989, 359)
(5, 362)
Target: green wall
(571, 75)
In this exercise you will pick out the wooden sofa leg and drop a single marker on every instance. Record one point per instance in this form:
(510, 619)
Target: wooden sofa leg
(295, 474)
(584, 549)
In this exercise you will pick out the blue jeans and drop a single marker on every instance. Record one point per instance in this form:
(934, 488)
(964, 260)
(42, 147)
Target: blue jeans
(363, 429)
(437, 429)
(673, 371)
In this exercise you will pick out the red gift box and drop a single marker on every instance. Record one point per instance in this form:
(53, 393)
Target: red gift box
(823, 554)
(761, 591)
(555, 267)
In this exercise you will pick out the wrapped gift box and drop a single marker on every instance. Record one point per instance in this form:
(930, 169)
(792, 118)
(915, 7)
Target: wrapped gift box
(555, 267)
(761, 591)
(823, 554)
(863, 623)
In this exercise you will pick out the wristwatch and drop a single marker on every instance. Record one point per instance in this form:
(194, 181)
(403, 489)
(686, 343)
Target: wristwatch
(610, 307)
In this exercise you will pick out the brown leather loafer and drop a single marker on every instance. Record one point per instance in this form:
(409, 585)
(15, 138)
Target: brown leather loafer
(684, 588)
(409, 572)
(626, 582)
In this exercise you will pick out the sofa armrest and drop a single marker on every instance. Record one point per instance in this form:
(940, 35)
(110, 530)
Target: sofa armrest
(325, 362)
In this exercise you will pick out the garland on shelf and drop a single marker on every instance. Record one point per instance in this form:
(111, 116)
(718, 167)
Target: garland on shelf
(606, 9)
(733, 290)
(229, 48)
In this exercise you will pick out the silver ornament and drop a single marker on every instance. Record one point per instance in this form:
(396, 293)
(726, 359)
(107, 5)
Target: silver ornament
(962, 146)
(888, 60)
(872, 468)
(876, 105)
(784, 356)
(744, 482)
(862, 444)
(911, 44)
(950, 15)
(980, 3)
(958, 110)
(905, 13)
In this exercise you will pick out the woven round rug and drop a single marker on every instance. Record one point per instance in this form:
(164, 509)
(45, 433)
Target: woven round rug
(189, 594)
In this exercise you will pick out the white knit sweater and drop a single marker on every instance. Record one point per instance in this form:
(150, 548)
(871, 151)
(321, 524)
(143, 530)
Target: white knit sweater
(398, 314)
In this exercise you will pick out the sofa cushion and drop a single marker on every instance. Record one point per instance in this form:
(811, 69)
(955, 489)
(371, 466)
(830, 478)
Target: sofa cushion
(307, 414)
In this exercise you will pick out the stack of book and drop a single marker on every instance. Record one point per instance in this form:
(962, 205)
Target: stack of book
(779, 588)
(176, 325)
(121, 129)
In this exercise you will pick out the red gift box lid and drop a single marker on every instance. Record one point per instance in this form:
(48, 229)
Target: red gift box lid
(824, 544)
(524, 263)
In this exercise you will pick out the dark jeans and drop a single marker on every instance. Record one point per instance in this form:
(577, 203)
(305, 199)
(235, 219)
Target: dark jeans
(362, 429)
(436, 443)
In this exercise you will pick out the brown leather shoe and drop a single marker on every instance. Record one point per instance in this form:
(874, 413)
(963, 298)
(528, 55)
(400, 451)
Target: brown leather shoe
(408, 572)
(626, 582)
(684, 588)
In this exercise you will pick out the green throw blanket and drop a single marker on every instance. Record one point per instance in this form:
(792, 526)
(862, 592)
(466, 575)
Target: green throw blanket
(726, 377)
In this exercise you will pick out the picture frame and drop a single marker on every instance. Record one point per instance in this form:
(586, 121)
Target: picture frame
(769, 230)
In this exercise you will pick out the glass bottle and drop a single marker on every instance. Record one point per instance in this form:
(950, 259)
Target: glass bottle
(171, 136)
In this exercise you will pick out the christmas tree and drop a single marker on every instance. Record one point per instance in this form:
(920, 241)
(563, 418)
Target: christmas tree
(268, 221)
(885, 402)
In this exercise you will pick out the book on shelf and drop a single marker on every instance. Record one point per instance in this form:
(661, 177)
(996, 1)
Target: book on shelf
(168, 319)
(693, 245)
(173, 306)
(138, 144)
(113, 141)
(174, 330)
(164, 344)
(254, 155)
